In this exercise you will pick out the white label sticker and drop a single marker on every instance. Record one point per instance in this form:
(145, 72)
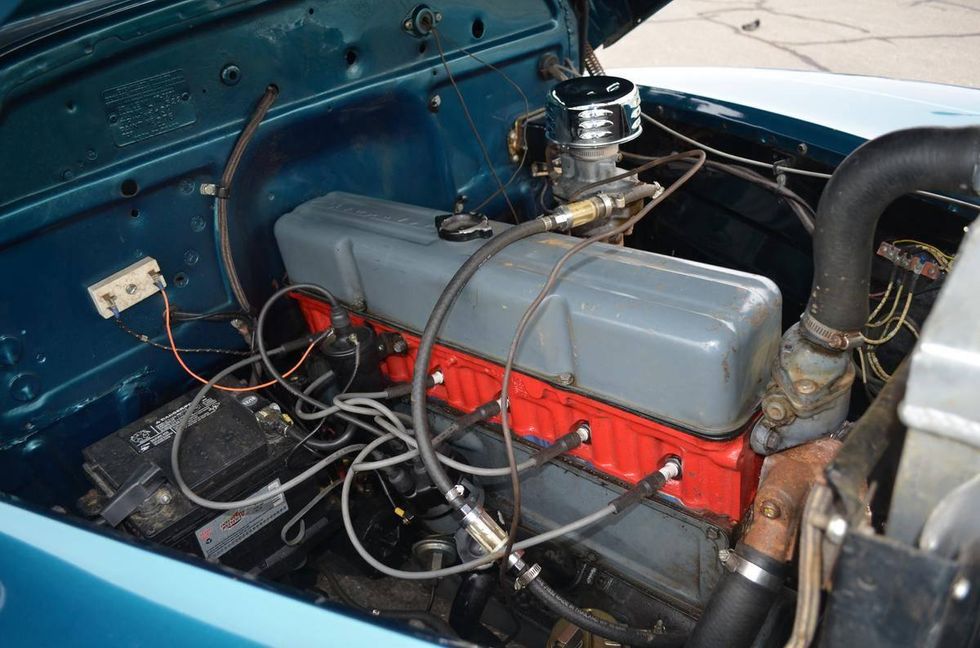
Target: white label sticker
(227, 531)
(162, 430)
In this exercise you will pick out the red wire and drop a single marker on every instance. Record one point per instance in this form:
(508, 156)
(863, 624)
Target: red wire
(173, 347)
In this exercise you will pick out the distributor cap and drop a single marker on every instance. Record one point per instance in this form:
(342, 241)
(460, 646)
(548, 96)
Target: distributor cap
(595, 111)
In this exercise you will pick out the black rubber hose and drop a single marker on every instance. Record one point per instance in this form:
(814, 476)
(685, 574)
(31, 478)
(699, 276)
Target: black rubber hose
(738, 607)
(224, 191)
(468, 605)
(872, 177)
(420, 415)
(624, 634)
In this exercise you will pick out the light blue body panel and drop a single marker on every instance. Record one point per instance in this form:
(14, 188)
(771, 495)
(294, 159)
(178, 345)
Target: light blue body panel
(63, 585)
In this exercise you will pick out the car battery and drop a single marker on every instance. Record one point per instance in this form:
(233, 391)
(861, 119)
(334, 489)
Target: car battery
(235, 446)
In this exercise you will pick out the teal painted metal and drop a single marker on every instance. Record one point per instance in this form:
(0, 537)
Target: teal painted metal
(61, 584)
(92, 183)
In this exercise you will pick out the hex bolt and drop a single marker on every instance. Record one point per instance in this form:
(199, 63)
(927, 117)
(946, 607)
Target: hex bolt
(775, 410)
(961, 589)
(400, 346)
(434, 102)
(772, 440)
(566, 379)
(836, 528)
(131, 289)
(164, 497)
(805, 386)
(770, 509)
(408, 25)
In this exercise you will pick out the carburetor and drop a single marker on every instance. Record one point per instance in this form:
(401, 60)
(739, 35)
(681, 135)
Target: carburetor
(587, 119)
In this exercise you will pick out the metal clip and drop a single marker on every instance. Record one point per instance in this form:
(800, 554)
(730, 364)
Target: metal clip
(216, 190)
(527, 576)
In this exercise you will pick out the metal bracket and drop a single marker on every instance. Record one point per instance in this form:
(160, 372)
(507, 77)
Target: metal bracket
(216, 190)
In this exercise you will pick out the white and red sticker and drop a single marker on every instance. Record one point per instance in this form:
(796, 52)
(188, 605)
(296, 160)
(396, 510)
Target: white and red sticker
(228, 530)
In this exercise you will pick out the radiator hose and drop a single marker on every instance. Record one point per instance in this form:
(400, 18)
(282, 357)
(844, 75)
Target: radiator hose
(878, 172)
(739, 605)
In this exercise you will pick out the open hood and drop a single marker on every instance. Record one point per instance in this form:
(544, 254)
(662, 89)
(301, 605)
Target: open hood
(609, 20)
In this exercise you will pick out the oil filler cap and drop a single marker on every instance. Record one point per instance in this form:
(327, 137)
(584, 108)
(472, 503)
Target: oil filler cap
(464, 226)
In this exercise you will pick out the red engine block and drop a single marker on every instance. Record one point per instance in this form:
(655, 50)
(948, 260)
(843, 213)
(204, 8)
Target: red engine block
(720, 477)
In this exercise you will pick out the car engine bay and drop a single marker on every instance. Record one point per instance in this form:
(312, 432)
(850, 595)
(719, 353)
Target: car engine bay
(428, 319)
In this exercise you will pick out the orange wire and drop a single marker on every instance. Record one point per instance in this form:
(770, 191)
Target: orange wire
(173, 347)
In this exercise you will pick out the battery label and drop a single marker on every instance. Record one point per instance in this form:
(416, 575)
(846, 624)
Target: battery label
(227, 531)
(162, 430)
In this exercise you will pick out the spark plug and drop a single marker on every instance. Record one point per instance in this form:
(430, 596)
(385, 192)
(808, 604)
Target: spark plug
(649, 485)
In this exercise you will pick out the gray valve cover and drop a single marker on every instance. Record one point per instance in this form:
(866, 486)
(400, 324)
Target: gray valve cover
(675, 340)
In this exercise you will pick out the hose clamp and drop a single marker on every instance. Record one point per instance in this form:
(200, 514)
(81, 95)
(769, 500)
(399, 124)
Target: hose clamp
(528, 575)
(749, 570)
(829, 337)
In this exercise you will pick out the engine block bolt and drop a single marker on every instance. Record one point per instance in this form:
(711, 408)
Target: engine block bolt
(770, 509)
(836, 529)
(775, 411)
(961, 589)
(805, 386)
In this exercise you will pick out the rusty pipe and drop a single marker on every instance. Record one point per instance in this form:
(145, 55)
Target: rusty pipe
(787, 477)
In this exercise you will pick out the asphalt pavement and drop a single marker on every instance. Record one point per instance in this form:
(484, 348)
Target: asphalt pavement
(924, 40)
